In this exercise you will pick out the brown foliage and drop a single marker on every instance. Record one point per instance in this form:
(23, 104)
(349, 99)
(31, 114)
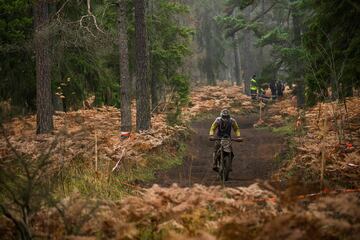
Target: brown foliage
(75, 131)
(332, 134)
(203, 213)
(208, 98)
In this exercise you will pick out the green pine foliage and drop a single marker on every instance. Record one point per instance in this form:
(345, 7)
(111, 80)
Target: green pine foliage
(332, 42)
(17, 67)
(169, 45)
(325, 57)
(84, 57)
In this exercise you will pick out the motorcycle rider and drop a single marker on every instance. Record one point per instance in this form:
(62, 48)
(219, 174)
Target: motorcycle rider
(223, 126)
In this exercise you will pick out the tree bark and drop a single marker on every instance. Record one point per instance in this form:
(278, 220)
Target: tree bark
(248, 55)
(44, 108)
(247, 62)
(209, 44)
(300, 91)
(142, 83)
(154, 90)
(237, 61)
(260, 56)
(125, 81)
(153, 63)
(210, 76)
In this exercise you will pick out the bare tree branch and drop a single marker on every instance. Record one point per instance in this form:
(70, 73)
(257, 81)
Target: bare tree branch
(90, 15)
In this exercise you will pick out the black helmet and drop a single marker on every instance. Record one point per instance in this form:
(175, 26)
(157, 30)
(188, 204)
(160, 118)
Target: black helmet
(225, 114)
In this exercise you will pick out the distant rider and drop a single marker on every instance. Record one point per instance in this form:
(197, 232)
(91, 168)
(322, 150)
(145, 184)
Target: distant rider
(222, 125)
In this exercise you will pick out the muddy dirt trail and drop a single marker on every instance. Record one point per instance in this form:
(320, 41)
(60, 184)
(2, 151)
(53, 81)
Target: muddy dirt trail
(254, 158)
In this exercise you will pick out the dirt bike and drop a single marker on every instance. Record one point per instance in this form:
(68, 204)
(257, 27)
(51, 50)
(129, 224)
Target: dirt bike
(225, 155)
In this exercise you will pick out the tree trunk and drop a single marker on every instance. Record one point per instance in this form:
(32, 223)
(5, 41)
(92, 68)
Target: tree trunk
(240, 64)
(248, 56)
(237, 61)
(125, 81)
(261, 60)
(210, 76)
(247, 61)
(300, 91)
(44, 108)
(154, 90)
(209, 65)
(142, 83)
(153, 63)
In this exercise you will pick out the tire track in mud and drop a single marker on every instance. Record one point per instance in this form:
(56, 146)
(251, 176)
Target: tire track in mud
(254, 158)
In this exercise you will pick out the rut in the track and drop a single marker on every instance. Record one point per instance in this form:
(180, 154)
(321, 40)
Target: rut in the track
(254, 158)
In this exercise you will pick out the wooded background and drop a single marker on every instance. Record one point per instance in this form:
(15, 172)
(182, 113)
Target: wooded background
(55, 54)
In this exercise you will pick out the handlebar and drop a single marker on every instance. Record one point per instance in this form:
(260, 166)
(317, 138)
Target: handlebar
(231, 139)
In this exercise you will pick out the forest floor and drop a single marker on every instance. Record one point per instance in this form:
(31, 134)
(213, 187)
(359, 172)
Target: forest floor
(188, 202)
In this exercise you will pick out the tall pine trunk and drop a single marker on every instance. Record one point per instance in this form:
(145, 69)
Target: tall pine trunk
(153, 63)
(154, 90)
(125, 81)
(261, 60)
(142, 82)
(248, 56)
(44, 108)
(300, 91)
(237, 61)
(247, 61)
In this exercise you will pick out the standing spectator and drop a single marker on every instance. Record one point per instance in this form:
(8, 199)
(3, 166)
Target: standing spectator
(253, 87)
(262, 93)
(280, 89)
(273, 89)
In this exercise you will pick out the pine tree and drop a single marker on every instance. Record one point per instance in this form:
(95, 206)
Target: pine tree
(237, 61)
(298, 69)
(44, 117)
(154, 65)
(142, 83)
(125, 81)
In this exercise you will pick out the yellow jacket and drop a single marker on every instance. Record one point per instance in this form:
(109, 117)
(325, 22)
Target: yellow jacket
(253, 84)
(217, 123)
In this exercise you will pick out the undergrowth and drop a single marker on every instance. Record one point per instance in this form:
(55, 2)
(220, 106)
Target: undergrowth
(216, 112)
(288, 130)
(104, 184)
(286, 154)
(206, 115)
(241, 110)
